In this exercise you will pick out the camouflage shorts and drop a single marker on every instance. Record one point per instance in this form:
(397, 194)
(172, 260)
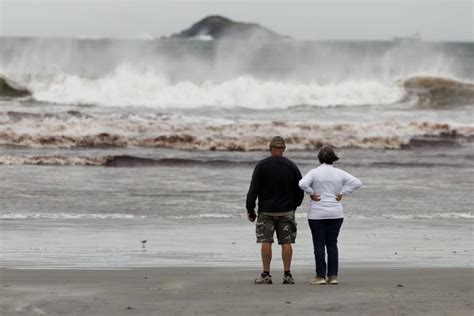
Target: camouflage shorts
(285, 227)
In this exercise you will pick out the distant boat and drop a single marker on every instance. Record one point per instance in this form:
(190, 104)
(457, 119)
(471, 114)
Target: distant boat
(414, 38)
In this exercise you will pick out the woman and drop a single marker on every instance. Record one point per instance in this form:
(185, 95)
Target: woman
(326, 185)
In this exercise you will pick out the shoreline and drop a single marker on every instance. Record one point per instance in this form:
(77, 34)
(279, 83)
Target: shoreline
(116, 243)
(244, 266)
(230, 291)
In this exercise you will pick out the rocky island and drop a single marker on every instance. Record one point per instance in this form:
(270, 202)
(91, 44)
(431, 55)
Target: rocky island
(218, 27)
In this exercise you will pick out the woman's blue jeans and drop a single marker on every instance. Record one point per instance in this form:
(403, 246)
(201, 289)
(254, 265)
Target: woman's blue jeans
(325, 232)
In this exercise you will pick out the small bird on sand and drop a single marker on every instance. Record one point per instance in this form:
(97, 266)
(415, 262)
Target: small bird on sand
(143, 242)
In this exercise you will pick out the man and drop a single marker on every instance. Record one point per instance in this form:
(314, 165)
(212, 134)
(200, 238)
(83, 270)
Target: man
(275, 184)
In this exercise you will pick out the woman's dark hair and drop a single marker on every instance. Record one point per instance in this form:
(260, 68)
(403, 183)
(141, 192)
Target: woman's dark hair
(327, 155)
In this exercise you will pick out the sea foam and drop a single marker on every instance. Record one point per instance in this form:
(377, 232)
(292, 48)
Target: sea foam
(126, 87)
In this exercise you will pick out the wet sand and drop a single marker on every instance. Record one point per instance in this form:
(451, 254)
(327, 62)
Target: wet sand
(227, 291)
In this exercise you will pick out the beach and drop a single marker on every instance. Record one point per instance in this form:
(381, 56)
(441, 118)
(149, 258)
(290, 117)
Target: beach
(226, 291)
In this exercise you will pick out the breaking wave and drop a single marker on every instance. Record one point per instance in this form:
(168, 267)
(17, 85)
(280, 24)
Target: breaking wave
(10, 89)
(302, 215)
(74, 129)
(53, 160)
(191, 74)
(67, 216)
(134, 161)
(438, 91)
(110, 161)
(210, 216)
(452, 215)
(126, 87)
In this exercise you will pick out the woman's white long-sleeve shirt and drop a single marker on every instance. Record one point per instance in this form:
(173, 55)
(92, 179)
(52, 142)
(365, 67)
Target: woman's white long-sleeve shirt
(327, 181)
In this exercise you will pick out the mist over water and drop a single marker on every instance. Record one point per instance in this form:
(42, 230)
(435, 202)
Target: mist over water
(164, 74)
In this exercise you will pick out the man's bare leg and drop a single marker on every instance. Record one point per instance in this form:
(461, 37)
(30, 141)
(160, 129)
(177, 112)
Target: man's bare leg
(286, 255)
(266, 255)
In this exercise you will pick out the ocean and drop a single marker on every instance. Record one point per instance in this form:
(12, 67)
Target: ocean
(121, 141)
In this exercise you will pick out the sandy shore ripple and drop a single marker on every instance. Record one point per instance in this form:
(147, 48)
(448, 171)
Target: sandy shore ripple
(224, 291)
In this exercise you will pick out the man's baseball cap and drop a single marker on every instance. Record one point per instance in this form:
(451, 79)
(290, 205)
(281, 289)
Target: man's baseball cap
(277, 142)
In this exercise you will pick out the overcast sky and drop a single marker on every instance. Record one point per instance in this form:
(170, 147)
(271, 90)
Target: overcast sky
(438, 20)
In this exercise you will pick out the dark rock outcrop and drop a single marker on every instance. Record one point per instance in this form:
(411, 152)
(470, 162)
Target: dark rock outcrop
(218, 27)
(437, 91)
(10, 89)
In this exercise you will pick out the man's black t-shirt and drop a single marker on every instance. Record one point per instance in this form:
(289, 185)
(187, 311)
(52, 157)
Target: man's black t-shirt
(275, 184)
